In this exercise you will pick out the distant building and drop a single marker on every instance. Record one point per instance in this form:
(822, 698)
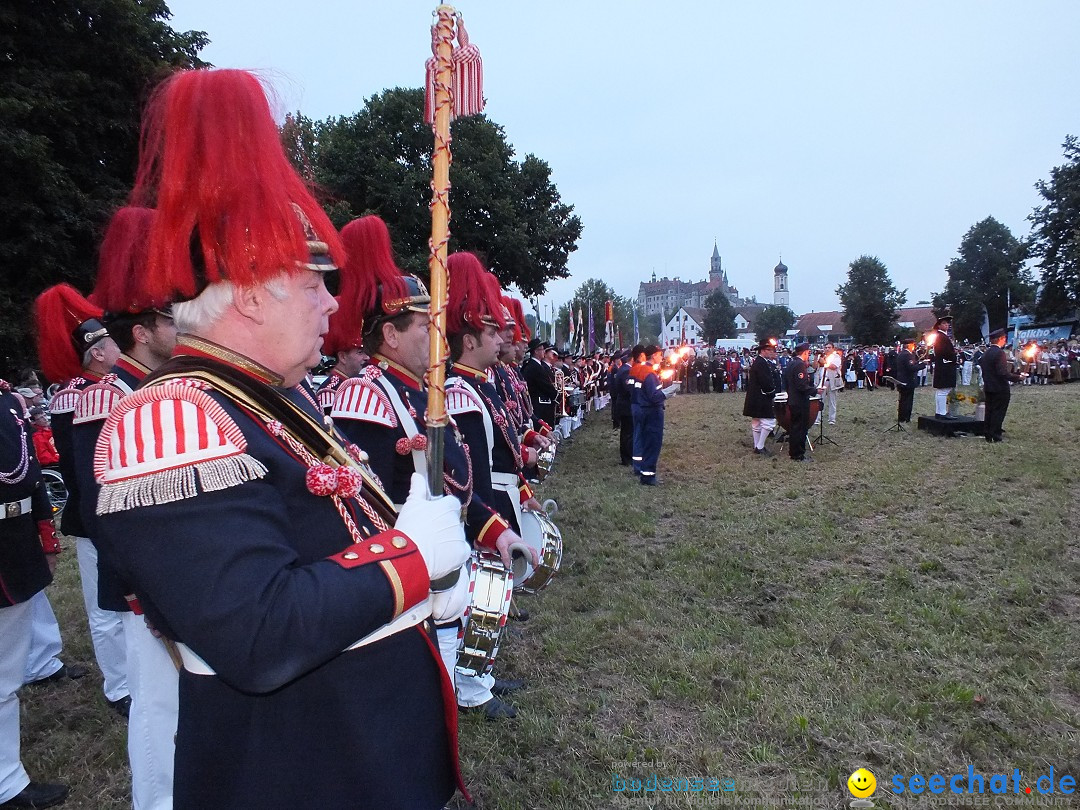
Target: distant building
(667, 295)
(686, 326)
(745, 317)
(822, 327)
(780, 285)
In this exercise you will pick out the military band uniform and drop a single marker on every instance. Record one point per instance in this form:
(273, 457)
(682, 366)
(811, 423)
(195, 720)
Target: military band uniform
(366, 415)
(152, 676)
(270, 572)
(799, 382)
(106, 623)
(907, 366)
(944, 368)
(622, 387)
(996, 378)
(762, 384)
(540, 378)
(25, 529)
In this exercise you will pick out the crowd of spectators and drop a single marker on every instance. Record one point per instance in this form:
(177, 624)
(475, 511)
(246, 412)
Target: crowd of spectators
(867, 367)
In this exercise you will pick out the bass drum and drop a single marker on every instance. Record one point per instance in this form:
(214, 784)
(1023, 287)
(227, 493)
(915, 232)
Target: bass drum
(491, 585)
(782, 410)
(540, 533)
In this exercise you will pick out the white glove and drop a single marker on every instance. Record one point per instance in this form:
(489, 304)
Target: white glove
(434, 524)
(449, 605)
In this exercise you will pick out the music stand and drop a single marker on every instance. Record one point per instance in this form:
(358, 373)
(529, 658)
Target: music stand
(821, 437)
(899, 385)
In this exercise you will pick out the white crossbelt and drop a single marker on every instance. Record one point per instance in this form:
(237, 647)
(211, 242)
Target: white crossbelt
(509, 483)
(194, 664)
(15, 508)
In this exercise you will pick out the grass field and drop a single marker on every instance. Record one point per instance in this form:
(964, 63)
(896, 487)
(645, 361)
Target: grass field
(907, 604)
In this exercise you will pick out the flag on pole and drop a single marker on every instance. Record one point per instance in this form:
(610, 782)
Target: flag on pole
(570, 329)
(609, 325)
(580, 331)
(637, 333)
(592, 331)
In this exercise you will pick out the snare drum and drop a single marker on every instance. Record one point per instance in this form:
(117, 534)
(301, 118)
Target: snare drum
(491, 585)
(539, 532)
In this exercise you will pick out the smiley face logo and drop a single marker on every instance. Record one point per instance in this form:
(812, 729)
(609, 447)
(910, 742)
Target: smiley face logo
(862, 784)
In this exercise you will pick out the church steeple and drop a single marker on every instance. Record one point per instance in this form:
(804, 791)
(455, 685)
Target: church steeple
(715, 266)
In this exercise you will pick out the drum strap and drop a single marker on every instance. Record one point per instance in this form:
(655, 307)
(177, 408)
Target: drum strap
(489, 426)
(408, 423)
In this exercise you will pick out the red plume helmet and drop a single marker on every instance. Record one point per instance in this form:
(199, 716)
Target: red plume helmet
(230, 205)
(121, 274)
(517, 312)
(67, 325)
(475, 297)
(373, 287)
(344, 332)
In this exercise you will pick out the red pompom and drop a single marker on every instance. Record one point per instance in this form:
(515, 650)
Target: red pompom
(403, 446)
(419, 442)
(500, 420)
(349, 482)
(355, 453)
(322, 480)
(511, 405)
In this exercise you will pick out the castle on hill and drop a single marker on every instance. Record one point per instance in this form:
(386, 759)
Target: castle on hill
(666, 295)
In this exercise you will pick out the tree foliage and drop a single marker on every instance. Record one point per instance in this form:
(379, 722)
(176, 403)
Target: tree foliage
(989, 264)
(1055, 237)
(596, 293)
(773, 321)
(378, 161)
(719, 318)
(870, 301)
(74, 77)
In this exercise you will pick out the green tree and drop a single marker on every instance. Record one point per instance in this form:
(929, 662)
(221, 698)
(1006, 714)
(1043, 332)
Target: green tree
(1055, 237)
(378, 161)
(596, 293)
(73, 79)
(719, 318)
(870, 301)
(773, 321)
(990, 264)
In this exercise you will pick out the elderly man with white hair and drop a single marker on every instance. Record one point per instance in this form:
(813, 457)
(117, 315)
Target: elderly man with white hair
(256, 539)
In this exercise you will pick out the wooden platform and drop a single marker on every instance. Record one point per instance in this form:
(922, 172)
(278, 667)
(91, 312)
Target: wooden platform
(958, 426)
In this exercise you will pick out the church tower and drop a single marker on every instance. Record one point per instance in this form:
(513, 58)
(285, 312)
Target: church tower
(780, 285)
(715, 271)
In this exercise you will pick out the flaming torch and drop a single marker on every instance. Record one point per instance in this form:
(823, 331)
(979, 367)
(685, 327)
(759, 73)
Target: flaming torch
(1030, 351)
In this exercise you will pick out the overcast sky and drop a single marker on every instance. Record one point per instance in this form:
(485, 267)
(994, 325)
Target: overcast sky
(819, 131)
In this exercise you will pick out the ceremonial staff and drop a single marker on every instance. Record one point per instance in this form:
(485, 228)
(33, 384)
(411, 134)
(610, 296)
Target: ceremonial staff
(454, 87)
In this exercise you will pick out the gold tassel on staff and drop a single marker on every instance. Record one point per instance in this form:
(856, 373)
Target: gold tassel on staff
(455, 87)
(439, 349)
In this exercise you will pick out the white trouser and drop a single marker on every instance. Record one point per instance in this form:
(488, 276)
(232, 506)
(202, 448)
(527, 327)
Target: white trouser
(154, 685)
(760, 430)
(941, 401)
(15, 631)
(966, 373)
(106, 626)
(45, 645)
(471, 690)
(829, 396)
